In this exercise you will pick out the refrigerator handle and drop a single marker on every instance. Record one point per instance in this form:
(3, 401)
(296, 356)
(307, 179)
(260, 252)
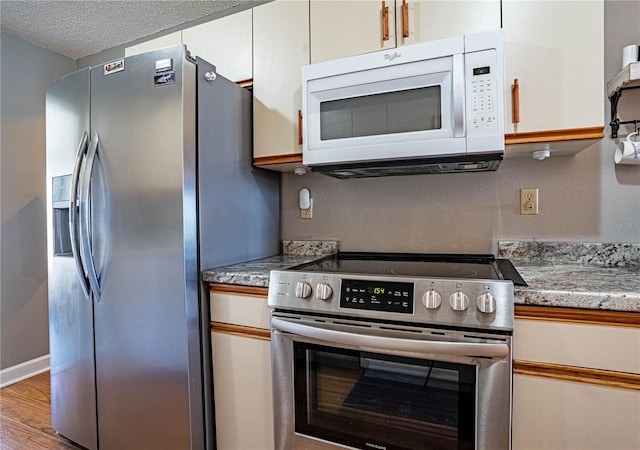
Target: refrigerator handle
(74, 211)
(85, 218)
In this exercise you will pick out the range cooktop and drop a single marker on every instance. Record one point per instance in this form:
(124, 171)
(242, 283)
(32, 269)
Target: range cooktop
(428, 265)
(437, 289)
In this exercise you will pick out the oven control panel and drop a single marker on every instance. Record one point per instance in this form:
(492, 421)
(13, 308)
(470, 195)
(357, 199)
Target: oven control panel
(374, 295)
(485, 304)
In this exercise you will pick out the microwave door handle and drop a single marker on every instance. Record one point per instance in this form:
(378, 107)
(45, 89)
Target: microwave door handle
(458, 96)
(394, 344)
(73, 213)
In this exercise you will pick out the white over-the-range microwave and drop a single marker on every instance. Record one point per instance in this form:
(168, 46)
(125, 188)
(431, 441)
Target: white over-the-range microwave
(433, 107)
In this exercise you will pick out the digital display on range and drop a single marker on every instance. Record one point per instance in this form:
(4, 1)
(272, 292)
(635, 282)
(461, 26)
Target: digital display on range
(377, 296)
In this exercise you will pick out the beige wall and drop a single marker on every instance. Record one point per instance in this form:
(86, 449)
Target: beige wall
(583, 198)
(26, 72)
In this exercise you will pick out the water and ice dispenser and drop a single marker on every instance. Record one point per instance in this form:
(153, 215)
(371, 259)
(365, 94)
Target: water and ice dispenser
(61, 192)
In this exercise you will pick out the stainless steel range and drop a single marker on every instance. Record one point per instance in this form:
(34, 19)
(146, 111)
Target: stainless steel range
(393, 351)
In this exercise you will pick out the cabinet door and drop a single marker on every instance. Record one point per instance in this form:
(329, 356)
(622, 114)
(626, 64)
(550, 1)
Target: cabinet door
(154, 44)
(345, 28)
(555, 50)
(280, 49)
(242, 389)
(552, 414)
(429, 20)
(226, 43)
(578, 344)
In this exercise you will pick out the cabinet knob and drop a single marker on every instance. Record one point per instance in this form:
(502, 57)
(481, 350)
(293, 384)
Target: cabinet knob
(515, 102)
(385, 22)
(405, 19)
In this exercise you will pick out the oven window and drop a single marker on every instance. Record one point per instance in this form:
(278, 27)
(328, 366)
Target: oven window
(370, 400)
(391, 112)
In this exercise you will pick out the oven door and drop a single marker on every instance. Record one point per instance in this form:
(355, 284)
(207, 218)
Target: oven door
(370, 386)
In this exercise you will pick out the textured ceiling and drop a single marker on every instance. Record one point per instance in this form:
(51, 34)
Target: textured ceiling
(80, 28)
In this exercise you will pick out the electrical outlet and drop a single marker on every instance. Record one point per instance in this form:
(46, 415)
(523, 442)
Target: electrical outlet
(529, 201)
(307, 213)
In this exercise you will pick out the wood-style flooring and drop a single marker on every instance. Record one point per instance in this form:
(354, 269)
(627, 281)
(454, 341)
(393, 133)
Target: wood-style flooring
(25, 417)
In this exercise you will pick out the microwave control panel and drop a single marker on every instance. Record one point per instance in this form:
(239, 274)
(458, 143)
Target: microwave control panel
(482, 87)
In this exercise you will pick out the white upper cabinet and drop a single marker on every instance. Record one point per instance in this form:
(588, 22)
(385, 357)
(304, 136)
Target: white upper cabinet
(280, 49)
(429, 20)
(226, 43)
(154, 44)
(555, 50)
(346, 28)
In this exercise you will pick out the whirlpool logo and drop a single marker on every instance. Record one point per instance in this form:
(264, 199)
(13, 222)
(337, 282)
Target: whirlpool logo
(376, 446)
(391, 56)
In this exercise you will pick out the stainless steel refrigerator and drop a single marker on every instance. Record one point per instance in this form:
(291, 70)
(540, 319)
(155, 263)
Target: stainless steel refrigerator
(149, 181)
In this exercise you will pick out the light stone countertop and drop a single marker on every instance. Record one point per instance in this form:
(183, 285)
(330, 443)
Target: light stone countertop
(604, 276)
(578, 286)
(254, 273)
(563, 281)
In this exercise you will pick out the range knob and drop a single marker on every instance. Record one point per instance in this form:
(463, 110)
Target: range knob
(487, 303)
(459, 301)
(323, 291)
(303, 289)
(431, 299)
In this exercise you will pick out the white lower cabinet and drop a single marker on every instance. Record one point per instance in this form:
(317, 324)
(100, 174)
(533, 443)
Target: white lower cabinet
(556, 414)
(576, 385)
(241, 351)
(242, 389)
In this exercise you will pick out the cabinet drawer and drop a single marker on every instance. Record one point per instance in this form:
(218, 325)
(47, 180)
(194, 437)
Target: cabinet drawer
(581, 345)
(237, 309)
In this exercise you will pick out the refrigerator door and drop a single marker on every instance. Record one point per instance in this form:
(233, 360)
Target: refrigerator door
(73, 403)
(144, 234)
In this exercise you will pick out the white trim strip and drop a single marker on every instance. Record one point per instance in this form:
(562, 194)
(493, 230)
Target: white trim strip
(24, 370)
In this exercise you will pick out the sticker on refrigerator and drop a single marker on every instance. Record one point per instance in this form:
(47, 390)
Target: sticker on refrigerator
(114, 67)
(164, 78)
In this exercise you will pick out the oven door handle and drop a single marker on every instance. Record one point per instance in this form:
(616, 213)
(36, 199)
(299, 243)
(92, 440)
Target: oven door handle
(395, 344)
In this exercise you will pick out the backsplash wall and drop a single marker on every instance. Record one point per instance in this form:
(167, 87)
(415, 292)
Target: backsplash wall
(585, 198)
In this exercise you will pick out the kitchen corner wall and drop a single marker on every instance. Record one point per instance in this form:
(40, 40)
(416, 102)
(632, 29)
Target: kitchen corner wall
(26, 73)
(583, 198)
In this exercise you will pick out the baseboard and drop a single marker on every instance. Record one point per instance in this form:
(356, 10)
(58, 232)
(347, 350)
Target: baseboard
(23, 371)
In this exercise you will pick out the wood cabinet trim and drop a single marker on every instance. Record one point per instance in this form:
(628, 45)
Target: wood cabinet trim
(554, 135)
(240, 330)
(574, 374)
(248, 83)
(277, 159)
(253, 291)
(533, 137)
(576, 315)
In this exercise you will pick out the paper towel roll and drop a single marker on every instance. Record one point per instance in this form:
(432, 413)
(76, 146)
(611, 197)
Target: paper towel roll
(629, 55)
